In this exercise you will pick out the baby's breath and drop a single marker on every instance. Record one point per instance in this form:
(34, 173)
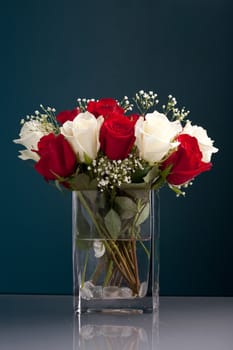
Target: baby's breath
(114, 173)
(178, 188)
(176, 113)
(126, 105)
(44, 121)
(145, 100)
(83, 102)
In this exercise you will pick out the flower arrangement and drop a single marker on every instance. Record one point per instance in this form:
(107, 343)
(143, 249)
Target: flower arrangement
(107, 148)
(98, 144)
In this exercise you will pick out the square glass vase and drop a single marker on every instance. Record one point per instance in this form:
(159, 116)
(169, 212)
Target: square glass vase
(115, 251)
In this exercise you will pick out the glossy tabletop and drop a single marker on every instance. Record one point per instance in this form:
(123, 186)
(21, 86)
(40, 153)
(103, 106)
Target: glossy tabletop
(47, 322)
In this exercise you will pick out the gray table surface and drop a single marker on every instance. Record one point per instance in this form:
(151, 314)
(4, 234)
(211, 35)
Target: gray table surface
(47, 322)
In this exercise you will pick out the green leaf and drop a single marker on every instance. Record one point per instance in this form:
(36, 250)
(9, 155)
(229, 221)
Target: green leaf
(142, 194)
(127, 207)
(135, 186)
(166, 171)
(151, 175)
(91, 196)
(162, 178)
(93, 184)
(144, 214)
(113, 223)
(81, 182)
(139, 174)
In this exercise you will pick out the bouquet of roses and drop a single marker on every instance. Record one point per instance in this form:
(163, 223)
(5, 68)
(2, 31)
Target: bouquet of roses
(103, 146)
(112, 148)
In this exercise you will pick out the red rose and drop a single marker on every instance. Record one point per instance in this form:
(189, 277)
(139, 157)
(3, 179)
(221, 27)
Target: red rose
(104, 107)
(117, 136)
(63, 116)
(56, 157)
(186, 161)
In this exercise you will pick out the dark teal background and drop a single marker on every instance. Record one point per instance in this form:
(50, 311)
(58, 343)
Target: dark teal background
(53, 52)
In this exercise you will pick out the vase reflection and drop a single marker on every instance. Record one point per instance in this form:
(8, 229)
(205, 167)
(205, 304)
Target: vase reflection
(113, 332)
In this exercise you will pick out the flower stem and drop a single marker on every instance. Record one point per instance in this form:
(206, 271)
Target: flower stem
(145, 249)
(108, 273)
(126, 251)
(97, 272)
(112, 247)
(86, 206)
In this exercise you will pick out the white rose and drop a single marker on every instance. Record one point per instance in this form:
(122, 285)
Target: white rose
(99, 248)
(205, 143)
(83, 134)
(155, 136)
(30, 134)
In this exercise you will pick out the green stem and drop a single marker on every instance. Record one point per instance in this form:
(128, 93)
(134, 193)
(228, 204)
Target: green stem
(102, 232)
(140, 208)
(111, 245)
(95, 222)
(145, 249)
(86, 206)
(95, 276)
(134, 223)
(108, 273)
(126, 252)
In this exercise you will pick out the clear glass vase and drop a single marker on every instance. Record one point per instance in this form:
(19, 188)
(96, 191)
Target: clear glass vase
(115, 251)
